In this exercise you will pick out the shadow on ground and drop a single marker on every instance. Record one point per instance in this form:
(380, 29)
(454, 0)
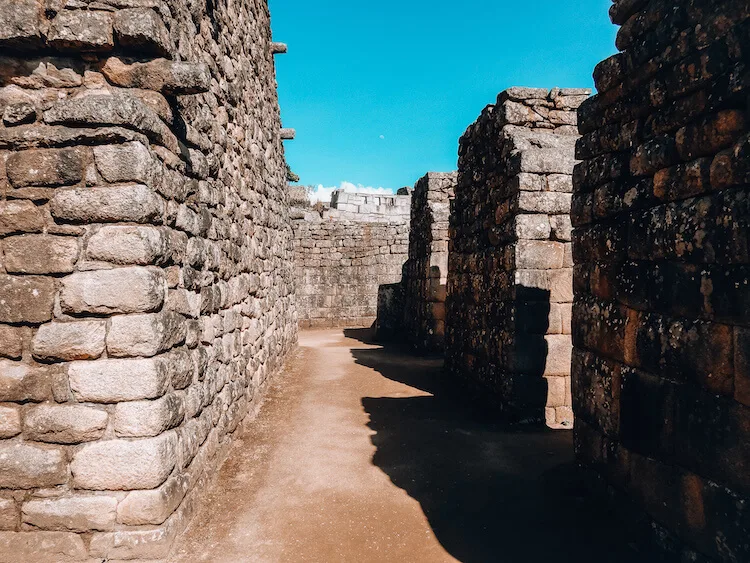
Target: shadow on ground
(490, 492)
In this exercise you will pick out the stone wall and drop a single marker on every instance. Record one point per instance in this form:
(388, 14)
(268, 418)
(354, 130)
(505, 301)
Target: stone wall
(343, 256)
(426, 270)
(146, 275)
(510, 264)
(661, 210)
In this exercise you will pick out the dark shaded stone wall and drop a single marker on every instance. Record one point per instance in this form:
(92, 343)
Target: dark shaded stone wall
(661, 320)
(509, 288)
(146, 279)
(426, 270)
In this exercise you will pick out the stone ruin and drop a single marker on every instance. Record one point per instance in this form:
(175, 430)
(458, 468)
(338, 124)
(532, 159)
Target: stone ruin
(155, 267)
(344, 254)
(510, 270)
(661, 210)
(426, 271)
(146, 282)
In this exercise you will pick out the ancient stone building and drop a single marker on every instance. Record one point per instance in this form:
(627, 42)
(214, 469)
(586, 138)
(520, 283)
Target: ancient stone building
(661, 210)
(426, 270)
(146, 271)
(510, 264)
(344, 254)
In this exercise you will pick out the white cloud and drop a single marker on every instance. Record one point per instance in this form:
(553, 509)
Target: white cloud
(382, 136)
(323, 193)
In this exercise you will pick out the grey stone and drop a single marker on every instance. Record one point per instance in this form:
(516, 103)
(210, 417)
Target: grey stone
(65, 424)
(135, 202)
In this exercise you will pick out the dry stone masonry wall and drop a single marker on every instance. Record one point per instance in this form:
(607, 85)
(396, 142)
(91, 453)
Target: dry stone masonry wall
(343, 256)
(146, 271)
(510, 265)
(426, 270)
(661, 320)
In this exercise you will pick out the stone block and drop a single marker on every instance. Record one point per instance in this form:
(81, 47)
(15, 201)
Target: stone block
(122, 290)
(8, 514)
(23, 382)
(167, 77)
(544, 202)
(133, 203)
(75, 513)
(148, 418)
(555, 391)
(145, 335)
(20, 23)
(82, 30)
(528, 226)
(141, 30)
(11, 341)
(45, 167)
(81, 340)
(122, 465)
(26, 299)
(140, 508)
(112, 381)
(539, 254)
(40, 254)
(129, 162)
(10, 421)
(65, 424)
(559, 351)
(28, 466)
(41, 546)
(20, 216)
(128, 245)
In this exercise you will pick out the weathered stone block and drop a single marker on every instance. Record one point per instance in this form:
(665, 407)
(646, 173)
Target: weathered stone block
(128, 245)
(153, 507)
(168, 77)
(40, 254)
(82, 30)
(539, 254)
(26, 299)
(144, 335)
(20, 23)
(43, 546)
(122, 465)
(22, 382)
(135, 203)
(27, 466)
(112, 381)
(11, 341)
(10, 421)
(8, 514)
(65, 424)
(142, 30)
(129, 162)
(20, 216)
(148, 418)
(122, 290)
(45, 167)
(82, 340)
(75, 513)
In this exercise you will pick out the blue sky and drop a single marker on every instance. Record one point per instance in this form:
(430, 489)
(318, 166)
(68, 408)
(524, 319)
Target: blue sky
(379, 92)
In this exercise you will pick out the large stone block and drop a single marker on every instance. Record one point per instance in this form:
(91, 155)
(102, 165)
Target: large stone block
(81, 340)
(65, 424)
(28, 466)
(145, 335)
(11, 341)
(122, 290)
(10, 422)
(24, 382)
(42, 547)
(82, 30)
(149, 418)
(40, 254)
(121, 465)
(134, 203)
(26, 299)
(168, 77)
(128, 245)
(20, 23)
(153, 507)
(75, 513)
(45, 167)
(141, 30)
(20, 216)
(112, 381)
(129, 162)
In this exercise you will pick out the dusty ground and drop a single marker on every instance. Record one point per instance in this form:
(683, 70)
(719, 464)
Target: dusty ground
(361, 455)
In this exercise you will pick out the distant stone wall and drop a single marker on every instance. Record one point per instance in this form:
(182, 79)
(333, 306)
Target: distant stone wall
(146, 271)
(344, 256)
(426, 270)
(510, 264)
(661, 320)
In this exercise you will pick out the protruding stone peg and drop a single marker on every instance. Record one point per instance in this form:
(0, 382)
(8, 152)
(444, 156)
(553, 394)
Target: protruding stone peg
(278, 48)
(288, 134)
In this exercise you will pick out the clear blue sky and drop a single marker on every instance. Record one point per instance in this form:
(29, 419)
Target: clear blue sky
(380, 91)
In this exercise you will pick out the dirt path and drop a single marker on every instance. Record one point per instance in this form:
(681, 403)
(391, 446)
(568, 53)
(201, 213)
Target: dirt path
(358, 455)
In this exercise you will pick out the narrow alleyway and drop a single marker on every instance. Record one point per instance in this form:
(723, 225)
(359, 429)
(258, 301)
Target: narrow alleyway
(358, 455)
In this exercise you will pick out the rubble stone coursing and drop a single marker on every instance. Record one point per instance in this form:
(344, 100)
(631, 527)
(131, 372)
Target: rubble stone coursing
(343, 256)
(509, 290)
(661, 320)
(426, 270)
(146, 274)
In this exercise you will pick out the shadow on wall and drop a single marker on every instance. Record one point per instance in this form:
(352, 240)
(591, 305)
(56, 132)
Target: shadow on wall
(490, 493)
